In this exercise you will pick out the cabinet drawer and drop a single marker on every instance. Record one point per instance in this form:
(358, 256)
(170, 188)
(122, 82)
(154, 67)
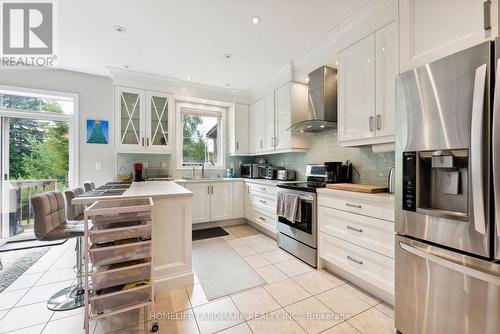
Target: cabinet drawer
(265, 219)
(264, 202)
(382, 209)
(369, 266)
(371, 233)
(263, 188)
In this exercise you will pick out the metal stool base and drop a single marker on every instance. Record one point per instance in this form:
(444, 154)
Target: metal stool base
(67, 299)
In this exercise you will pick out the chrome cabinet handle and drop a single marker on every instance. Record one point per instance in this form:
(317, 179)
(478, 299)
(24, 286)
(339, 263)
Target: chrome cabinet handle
(476, 149)
(262, 218)
(237, 145)
(487, 15)
(212, 189)
(354, 229)
(263, 189)
(262, 201)
(142, 141)
(208, 188)
(495, 149)
(357, 206)
(147, 141)
(354, 260)
(370, 123)
(379, 122)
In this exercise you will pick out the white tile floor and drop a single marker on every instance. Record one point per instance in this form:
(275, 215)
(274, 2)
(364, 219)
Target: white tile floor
(296, 299)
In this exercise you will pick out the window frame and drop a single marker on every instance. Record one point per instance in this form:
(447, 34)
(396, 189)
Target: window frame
(208, 110)
(72, 119)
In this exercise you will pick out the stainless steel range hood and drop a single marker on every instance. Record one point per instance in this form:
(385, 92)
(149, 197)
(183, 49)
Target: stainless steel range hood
(322, 112)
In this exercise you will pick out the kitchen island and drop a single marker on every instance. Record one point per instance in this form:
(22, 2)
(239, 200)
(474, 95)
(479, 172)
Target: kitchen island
(172, 240)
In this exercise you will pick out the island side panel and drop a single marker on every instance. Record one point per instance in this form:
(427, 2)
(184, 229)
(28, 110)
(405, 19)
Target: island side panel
(172, 243)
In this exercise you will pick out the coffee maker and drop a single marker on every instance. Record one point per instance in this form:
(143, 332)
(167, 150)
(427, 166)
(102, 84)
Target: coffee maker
(338, 172)
(138, 168)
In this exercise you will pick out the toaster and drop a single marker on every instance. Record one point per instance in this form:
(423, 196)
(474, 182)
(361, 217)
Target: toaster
(285, 175)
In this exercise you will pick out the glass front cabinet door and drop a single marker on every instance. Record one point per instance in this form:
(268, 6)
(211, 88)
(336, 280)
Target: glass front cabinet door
(143, 120)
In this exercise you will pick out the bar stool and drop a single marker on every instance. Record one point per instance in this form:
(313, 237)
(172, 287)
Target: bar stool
(51, 224)
(88, 185)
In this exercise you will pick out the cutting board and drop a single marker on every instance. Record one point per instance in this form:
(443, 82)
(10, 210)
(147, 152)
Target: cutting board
(360, 188)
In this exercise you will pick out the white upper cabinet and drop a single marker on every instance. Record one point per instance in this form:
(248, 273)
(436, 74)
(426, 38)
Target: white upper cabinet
(143, 121)
(429, 29)
(366, 89)
(238, 129)
(290, 108)
(356, 88)
(272, 116)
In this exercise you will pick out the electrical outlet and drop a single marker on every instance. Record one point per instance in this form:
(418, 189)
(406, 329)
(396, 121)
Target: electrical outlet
(98, 165)
(145, 164)
(282, 164)
(163, 165)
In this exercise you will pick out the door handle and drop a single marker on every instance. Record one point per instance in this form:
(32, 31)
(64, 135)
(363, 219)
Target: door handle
(379, 122)
(370, 123)
(468, 271)
(357, 206)
(495, 149)
(354, 229)
(487, 15)
(147, 141)
(354, 260)
(237, 145)
(476, 149)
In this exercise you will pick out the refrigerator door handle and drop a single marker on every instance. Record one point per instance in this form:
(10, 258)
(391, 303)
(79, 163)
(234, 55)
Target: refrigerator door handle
(495, 137)
(476, 149)
(467, 271)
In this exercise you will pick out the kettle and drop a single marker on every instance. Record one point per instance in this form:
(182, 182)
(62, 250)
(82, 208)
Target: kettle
(391, 181)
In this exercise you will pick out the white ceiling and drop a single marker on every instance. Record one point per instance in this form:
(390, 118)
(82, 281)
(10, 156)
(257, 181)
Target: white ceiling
(180, 38)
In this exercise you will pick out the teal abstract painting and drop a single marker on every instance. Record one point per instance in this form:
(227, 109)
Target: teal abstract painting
(97, 131)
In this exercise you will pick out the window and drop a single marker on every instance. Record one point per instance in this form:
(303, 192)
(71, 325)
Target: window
(200, 136)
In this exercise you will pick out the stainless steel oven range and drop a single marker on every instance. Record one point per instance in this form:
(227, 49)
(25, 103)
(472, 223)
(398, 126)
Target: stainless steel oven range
(301, 238)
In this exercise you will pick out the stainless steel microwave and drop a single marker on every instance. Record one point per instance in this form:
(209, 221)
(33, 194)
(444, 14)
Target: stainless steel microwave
(250, 171)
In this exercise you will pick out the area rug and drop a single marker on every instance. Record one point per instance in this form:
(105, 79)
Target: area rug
(220, 270)
(208, 233)
(21, 262)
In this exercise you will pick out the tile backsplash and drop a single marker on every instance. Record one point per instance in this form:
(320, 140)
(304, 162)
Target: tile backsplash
(373, 168)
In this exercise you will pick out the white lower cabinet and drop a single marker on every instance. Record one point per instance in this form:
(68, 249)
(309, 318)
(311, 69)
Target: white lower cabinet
(217, 200)
(260, 205)
(356, 238)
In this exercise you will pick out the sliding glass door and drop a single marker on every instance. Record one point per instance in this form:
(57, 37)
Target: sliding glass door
(38, 155)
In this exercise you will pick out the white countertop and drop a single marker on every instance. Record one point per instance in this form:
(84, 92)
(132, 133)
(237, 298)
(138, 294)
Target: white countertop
(158, 189)
(258, 181)
(353, 194)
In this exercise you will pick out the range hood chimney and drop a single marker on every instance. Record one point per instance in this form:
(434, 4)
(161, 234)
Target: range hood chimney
(322, 96)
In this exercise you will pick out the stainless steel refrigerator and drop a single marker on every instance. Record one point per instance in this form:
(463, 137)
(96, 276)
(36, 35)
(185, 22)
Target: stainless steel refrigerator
(448, 195)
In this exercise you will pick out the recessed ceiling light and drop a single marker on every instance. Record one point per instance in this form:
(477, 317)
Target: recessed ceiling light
(188, 77)
(119, 28)
(228, 56)
(256, 20)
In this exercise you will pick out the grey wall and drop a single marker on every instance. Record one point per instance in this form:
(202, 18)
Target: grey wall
(95, 102)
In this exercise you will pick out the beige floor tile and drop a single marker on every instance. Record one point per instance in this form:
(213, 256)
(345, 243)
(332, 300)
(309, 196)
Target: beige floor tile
(238, 329)
(286, 292)
(293, 267)
(276, 256)
(179, 323)
(173, 301)
(386, 309)
(73, 325)
(54, 276)
(314, 283)
(342, 328)
(37, 329)
(313, 316)
(196, 295)
(373, 321)
(9, 298)
(2, 313)
(216, 316)
(361, 294)
(256, 261)
(63, 263)
(332, 277)
(25, 316)
(40, 266)
(43, 292)
(24, 281)
(256, 239)
(271, 274)
(235, 243)
(254, 302)
(265, 246)
(277, 322)
(341, 301)
(245, 251)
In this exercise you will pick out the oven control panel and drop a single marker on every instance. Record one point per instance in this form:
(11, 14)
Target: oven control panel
(409, 181)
